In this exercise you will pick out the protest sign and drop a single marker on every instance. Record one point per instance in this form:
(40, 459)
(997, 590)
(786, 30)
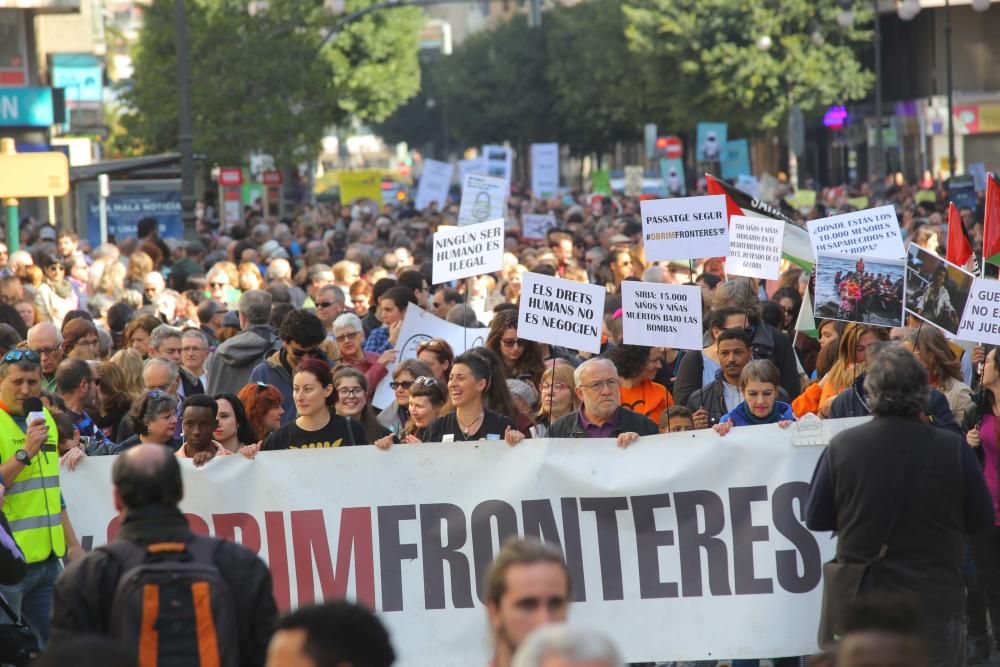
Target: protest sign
(544, 170)
(711, 140)
(685, 228)
(661, 315)
(859, 203)
(434, 184)
(561, 312)
(658, 531)
(978, 172)
(483, 198)
(803, 200)
(418, 326)
(672, 173)
(873, 232)
(633, 181)
(962, 191)
(981, 319)
(472, 250)
(755, 247)
(855, 288)
(535, 226)
(749, 185)
(476, 165)
(499, 160)
(925, 196)
(601, 182)
(355, 185)
(936, 289)
(736, 158)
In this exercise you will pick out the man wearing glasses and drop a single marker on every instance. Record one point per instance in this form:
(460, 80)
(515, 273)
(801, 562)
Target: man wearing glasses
(32, 501)
(329, 305)
(301, 334)
(601, 414)
(45, 339)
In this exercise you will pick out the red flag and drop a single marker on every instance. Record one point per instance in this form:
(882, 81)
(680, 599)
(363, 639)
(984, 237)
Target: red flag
(991, 222)
(959, 247)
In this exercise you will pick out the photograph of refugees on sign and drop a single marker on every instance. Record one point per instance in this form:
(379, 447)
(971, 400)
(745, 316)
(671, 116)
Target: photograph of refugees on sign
(855, 288)
(936, 290)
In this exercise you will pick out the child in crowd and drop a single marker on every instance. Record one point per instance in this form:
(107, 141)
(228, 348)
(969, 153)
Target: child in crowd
(676, 419)
(759, 384)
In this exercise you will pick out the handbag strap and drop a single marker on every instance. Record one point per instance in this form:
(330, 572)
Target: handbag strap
(7, 609)
(908, 485)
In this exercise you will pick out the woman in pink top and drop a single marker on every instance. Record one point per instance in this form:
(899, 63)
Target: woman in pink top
(983, 433)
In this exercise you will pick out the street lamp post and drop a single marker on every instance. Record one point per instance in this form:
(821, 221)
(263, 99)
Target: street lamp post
(185, 138)
(879, 134)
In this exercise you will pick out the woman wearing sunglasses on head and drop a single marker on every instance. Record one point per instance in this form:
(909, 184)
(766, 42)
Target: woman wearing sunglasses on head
(427, 399)
(471, 420)
(154, 421)
(350, 389)
(395, 416)
(522, 359)
(350, 336)
(439, 356)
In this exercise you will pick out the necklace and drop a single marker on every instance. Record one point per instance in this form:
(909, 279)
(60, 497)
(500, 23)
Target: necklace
(466, 429)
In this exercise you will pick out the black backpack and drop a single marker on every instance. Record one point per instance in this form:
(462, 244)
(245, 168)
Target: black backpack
(172, 605)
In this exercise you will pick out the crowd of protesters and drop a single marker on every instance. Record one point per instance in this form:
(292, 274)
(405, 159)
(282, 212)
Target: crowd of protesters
(275, 334)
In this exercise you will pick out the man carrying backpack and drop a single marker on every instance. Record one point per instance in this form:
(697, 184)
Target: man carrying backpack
(173, 597)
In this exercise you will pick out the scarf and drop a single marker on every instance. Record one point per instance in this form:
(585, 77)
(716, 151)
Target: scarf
(753, 420)
(62, 288)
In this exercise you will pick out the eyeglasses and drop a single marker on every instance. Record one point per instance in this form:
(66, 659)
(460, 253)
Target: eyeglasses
(556, 386)
(348, 392)
(512, 342)
(42, 351)
(155, 394)
(311, 352)
(343, 338)
(601, 385)
(326, 304)
(405, 384)
(14, 356)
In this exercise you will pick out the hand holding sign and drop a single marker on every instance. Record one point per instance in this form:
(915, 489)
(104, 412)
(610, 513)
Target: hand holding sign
(561, 312)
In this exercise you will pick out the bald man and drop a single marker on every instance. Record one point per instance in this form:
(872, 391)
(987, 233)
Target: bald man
(147, 489)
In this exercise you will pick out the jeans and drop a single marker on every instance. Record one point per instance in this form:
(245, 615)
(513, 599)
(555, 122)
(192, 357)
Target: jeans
(32, 598)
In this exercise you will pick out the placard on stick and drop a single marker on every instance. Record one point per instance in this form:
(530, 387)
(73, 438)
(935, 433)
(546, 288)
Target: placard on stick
(936, 289)
(561, 312)
(535, 226)
(755, 247)
(661, 315)
(981, 319)
(873, 232)
(685, 227)
(472, 250)
(434, 184)
(483, 198)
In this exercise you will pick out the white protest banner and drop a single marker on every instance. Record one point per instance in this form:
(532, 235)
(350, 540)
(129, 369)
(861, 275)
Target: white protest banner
(418, 326)
(561, 312)
(658, 531)
(661, 315)
(981, 319)
(483, 198)
(476, 165)
(685, 227)
(499, 161)
(544, 170)
(434, 184)
(873, 232)
(535, 226)
(755, 247)
(633, 181)
(472, 250)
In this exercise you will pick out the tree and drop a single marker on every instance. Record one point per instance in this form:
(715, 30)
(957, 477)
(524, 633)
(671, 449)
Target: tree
(262, 82)
(708, 52)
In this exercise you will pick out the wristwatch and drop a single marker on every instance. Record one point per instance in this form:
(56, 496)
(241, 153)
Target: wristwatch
(23, 457)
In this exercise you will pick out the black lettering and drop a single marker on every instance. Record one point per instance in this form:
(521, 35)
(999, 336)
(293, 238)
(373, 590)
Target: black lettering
(744, 535)
(691, 541)
(482, 535)
(392, 553)
(648, 540)
(573, 548)
(792, 528)
(437, 551)
(605, 514)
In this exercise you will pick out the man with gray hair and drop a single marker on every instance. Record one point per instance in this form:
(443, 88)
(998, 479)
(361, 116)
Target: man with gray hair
(45, 339)
(601, 414)
(903, 497)
(563, 646)
(279, 272)
(236, 358)
(166, 342)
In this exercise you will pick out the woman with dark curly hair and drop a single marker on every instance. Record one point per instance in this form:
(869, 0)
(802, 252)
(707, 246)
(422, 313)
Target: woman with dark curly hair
(637, 366)
(522, 359)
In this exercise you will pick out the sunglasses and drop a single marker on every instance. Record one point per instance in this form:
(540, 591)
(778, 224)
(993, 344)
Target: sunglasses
(326, 304)
(512, 342)
(426, 381)
(405, 384)
(261, 386)
(343, 338)
(15, 356)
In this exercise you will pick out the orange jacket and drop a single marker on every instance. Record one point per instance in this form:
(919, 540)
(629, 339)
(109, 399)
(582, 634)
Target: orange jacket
(647, 398)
